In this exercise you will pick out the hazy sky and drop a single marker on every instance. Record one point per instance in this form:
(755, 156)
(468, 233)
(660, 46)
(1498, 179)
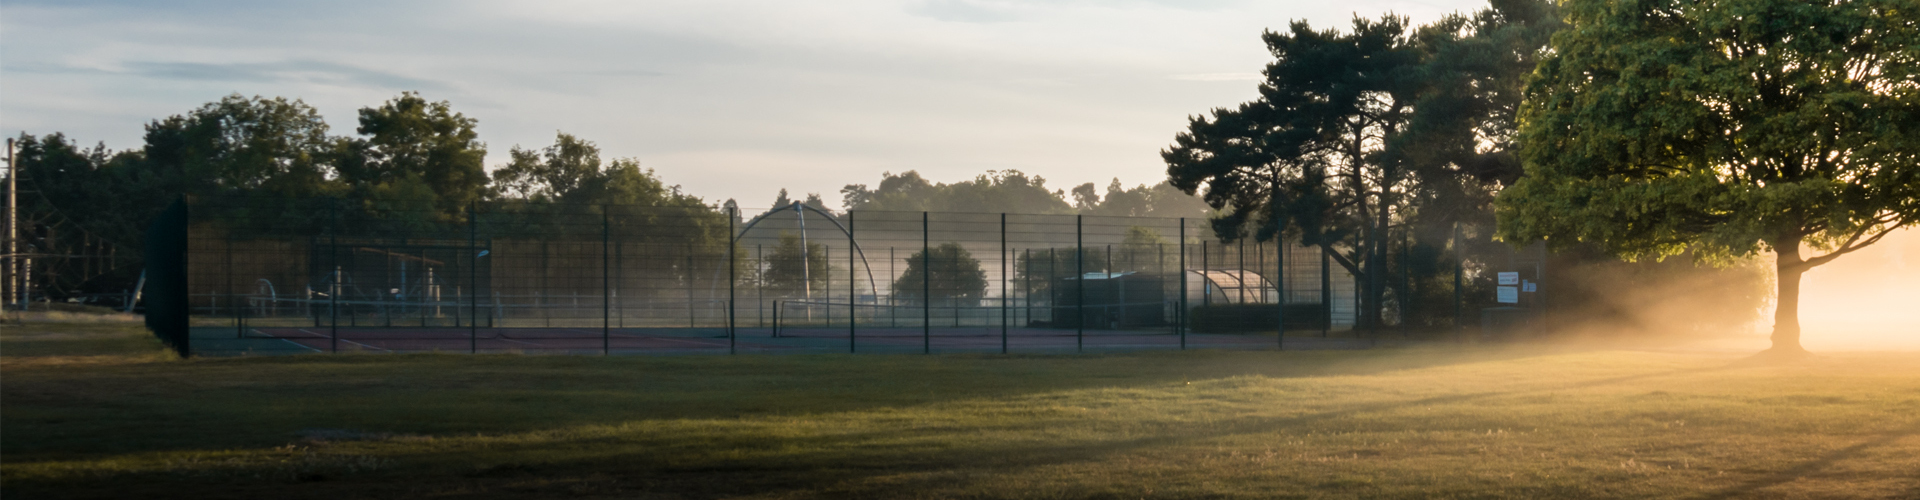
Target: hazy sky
(729, 99)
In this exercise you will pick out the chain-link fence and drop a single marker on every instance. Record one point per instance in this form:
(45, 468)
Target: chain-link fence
(323, 275)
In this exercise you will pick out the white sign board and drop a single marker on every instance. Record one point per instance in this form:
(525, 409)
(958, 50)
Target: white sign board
(1510, 278)
(1507, 294)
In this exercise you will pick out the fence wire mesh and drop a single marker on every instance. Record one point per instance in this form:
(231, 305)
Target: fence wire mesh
(320, 276)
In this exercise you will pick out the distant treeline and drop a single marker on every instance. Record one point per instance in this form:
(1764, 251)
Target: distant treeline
(414, 163)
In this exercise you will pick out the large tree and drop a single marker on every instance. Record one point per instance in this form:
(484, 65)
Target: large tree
(242, 144)
(946, 274)
(411, 148)
(792, 271)
(1308, 154)
(1358, 134)
(1724, 128)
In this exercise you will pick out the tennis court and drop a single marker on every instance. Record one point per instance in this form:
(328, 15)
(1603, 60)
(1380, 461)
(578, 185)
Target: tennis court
(322, 277)
(225, 341)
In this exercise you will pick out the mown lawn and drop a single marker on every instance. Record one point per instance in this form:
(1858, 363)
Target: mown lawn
(95, 410)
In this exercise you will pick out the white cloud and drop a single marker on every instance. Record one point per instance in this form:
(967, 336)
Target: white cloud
(730, 99)
(1219, 77)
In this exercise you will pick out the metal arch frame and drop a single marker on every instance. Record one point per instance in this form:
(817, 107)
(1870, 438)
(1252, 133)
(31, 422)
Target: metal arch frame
(797, 206)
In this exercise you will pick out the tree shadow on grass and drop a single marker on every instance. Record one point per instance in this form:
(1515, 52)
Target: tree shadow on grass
(1811, 467)
(889, 470)
(215, 404)
(852, 474)
(649, 389)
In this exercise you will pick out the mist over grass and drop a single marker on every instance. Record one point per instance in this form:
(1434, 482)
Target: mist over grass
(1456, 421)
(1866, 300)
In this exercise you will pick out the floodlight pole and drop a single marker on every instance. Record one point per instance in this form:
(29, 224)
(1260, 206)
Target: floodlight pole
(806, 259)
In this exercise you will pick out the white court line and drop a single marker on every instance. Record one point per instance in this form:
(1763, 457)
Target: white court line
(668, 339)
(284, 339)
(342, 341)
(523, 342)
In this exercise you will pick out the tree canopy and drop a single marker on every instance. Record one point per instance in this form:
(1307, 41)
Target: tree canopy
(996, 191)
(1724, 128)
(946, 274)
(790, 272)
(410, 143)
(1357, 134)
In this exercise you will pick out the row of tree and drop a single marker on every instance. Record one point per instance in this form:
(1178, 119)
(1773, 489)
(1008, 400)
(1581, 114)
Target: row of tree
(1384, 129)
(415, 167)
(1641, 130)
(1013, 191)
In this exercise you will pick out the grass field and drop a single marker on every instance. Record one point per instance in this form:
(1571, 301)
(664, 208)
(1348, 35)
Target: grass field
(97, 410)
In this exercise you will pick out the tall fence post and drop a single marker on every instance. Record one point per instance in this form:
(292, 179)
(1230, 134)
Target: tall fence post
(606, 280)
(239, 326)
(1206, 293)
(473, 278)
(1326, 291)
(1079, 284)
(1003, 283)
(853, 291)
(691, 322)
(1280, 282)
(926, 288)
(733, 214)
(1180, 317)
(333, 287)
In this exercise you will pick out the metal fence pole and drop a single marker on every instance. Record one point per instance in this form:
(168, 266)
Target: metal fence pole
(1206, 293)
(1280, 283)
(333, 257)
(1026, 286)
(893, 312)
(926, 289)
(1003, 283)
(606, 280)
(759, 287)
(1079, 284)
(733, 214)
(853, 292)
(1180, 317)
(1326, 292)
(473, 278)
(239, 328)
(691, 322)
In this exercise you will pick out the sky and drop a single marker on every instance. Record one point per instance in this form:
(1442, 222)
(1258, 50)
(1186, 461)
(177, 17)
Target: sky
(728, 99)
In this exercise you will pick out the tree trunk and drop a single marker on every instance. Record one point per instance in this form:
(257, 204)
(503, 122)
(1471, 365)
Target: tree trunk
(1786, 313)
